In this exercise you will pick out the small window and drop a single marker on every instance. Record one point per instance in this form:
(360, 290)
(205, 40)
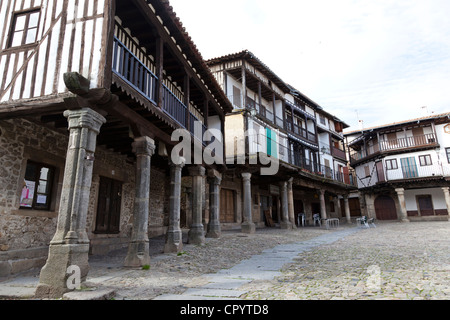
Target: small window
(24, 28)
(425, 160)
(237, 97)
(391, 164)
(448, 154)
(37, 187)
(367, 171)
(323, 120)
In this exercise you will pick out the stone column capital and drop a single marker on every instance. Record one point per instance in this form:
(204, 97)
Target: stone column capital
(214, 177)
(246, 176)
(400, 191)
(196, 171)
(84, 118)
(144, 146)
(322, 192)
(446, 189)
(283, 185)
(178, 164)
(290, 182)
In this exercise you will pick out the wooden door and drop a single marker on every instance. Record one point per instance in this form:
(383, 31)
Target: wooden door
(227, 206)
(425, 204)
(385, 208)
(108, 208)
(380, 172)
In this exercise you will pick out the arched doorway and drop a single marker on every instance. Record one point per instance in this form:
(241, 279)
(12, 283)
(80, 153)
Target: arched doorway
(385, 208)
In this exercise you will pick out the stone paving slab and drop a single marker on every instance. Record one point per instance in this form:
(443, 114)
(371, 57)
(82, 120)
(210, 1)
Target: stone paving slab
(263, 267)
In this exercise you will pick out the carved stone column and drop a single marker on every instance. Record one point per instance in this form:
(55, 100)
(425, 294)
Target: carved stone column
(174, 236)
(291, 203)
(402, 215)
(214, 180)
(70, 244)
(323, 208)
(138, 250)
(285, 223)
(197, 231)
(447, 198)
(347, 209)
(248, 226)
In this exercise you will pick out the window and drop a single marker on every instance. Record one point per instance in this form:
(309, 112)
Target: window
(237, 97)
(448, 154)
(425, 160)
(37, 187)
(367, 171)
(391, 164)
(24, 28)
(323, 120)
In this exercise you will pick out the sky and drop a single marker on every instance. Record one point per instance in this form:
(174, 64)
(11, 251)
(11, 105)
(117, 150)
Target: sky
(374, 62)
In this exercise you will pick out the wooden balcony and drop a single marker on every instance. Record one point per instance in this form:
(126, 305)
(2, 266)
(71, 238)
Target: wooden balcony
(137, 75)
(394, 146)
(301, 132)
(338, 153)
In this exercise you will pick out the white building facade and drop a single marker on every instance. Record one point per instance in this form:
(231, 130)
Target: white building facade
(273, 119)
(403, 169)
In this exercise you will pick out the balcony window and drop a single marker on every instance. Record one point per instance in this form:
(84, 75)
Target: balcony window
(24, 28)
(425, 160)
(391, 164)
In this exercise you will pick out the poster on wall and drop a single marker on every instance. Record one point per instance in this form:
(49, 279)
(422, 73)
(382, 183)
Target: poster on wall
(26, 198)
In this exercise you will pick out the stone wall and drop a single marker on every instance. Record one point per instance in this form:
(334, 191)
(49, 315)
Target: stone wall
(26, 234)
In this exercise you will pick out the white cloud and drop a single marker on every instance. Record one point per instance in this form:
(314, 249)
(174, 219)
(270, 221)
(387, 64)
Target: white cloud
(385, 59)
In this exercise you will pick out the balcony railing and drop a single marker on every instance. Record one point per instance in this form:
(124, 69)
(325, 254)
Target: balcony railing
(394, 145)
(133, 71)
(338, 153)
(417, 171)
(408, 142)
(137, 75)
(301, 132)
(259, 143)
(174, 107)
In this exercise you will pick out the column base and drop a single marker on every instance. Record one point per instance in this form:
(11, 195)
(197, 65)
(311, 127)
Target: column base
(196, 235)
(214, 231)
(138, 255)
(54, 275)
(174, 242)
(286, 225)
(248, 227)
(404, 220)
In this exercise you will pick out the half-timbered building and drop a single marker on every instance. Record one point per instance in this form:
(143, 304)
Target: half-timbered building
(90, 95)
(403, 169)
(272, 122)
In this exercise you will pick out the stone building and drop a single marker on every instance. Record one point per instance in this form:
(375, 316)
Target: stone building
(403, 169)
(90, 94)
(285, 153)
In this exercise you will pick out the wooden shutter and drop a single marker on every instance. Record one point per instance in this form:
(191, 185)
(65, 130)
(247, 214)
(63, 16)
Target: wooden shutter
(109, 206)
(227, 201)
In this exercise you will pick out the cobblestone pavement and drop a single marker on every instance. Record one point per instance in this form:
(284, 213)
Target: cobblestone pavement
(393, 261)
